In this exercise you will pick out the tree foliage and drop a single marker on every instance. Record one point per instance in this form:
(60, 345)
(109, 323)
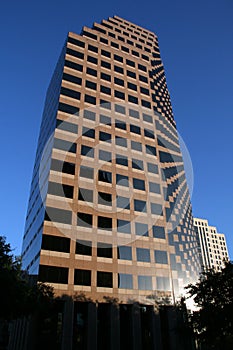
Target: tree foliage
(18, 297)
(213, 321)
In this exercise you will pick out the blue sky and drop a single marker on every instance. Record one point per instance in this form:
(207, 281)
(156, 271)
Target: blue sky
(196, 43)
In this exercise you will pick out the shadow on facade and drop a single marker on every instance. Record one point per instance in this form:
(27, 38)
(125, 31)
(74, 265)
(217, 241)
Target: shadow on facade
(81, 324)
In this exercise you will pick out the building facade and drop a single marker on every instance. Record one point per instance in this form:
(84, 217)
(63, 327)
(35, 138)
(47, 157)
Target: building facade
(109, 213)
(212, 245)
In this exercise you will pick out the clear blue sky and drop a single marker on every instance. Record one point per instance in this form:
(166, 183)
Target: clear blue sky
(196, 43)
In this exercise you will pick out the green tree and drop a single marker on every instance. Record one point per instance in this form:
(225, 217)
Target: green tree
(212, 322)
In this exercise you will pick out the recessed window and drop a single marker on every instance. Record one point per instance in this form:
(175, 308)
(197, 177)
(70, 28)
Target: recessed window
(93, 48)
(65, 167)
(119, 81)
(132, 99)
(125, 49)
(64, 107)
(151, 150)
(104, 198)
(104, 250)
(147, 118)
(120, 141)
(90, 99)
(141, 229)
(133, 113)
(152, 168)
(87, 151)
(58, 189)
(154, 187)
(120, 125)
(88, 132)
(85, 195)
(114, 44)
(104, 155)
(66, 126)
(135, 53)
(136, 146)
(144, 91)
(104, 136)
(118, 58)
(123, 202)
(143, 79)
(104, 223)
(105, 120)
(143, 254)
(119, 94)
(73, 65)
(149, 133)
(130, 63)
(163, 283)
(161, 257)
(119, 109)
(53, 274)
(144, 282)
(121, 160)
(105, 90)
(82, 277)
(76, 42)
(139, 184)
(158, 232)
(90, 85)
(88, 114)
(103, 40)
(124, 253)
(106, 53)
(135, 129)
(122, 180)
(146, 104)
(86, 172)
(105, 64)
(156, 209)
(105, 176)
(137, 164)
(123, 226)
(92, 72)
(131, 74)
(83, 247)
(75, 53)
(70, 93)
(125, 281)
(58, 215)
(105, 76)
(104, 279)
(140, 205)
(92, 59)
(141, 67)
(118, 69)
(84, 220)
(55, 243)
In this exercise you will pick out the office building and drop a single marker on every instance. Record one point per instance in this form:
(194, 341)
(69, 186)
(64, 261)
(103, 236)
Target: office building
(212, 245)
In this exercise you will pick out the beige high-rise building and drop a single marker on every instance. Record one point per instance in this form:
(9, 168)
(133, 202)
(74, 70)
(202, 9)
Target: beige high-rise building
(212, 245)
(109, 213)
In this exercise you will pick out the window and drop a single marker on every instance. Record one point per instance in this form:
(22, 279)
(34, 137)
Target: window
(104, 155)
(75, 53)
(161, 257)
(144, 91)
(64, 107)
(105, 176)
(121, 160)
(92, 59)
(124, 253)
(133, 113)
(65, 167)
(118, 58)
(104, 223)
(125, 49)
(55, 243)
(147, 118)
(130, 63)
(120, 125)
(123, 226)
(119, 109)
(66, 126)
(118, 69)
(125, 281)
(88, 132)
(90, 85)
(140, 205)
(105, 120)
(85, 195)
(105, 64)
(136, 146)
(86, 172)
(58, 189)
(82, 277)
(119, 81)
(122, 180)
(137, 164)
(152, 168)
(141, 229)
(158, 232)
(151, 150)
(120, 141)
(131, 74)
(73, 65)
(64, 145)
(123, 202)
(105, 76)
(139, 184)
(84, 220)
(106, 53)
(154, 187)
(58, 215)
(119, 94)
(104, 198)
(135, 53)
(146, 104)
(103, 136)
(83, 247)
(143, 254)
(105, 90)
(156, 209)
(76, 42)
(149, 133)
(163, 283)
(70, 93)
(53, 274)
(92, 72)
(88, 115)
(114, 44)
(143, 79)
(104, 279)
(92, 48)
(103, 40)
(135, 129)
(90, 99)
(132, 99)
(144, 282)
(141, 67)
(104, 250)
(87, 151)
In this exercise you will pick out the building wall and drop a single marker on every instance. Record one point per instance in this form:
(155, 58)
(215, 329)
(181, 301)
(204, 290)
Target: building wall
(118, 219)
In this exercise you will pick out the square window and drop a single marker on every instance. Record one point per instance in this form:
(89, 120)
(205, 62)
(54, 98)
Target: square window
(83, 247)
(85, 195)
(86, 172)
(158, 232)
(143, 254)
(123, 226)
(144, 282)
(82, 277)
(141, 229)
(137, 164)
(105, 176)
(154, 187)
(136, 146)
(104, 155)
(123, 202)
(104, 198)
(84, 220)
(161, 257)
(140, 205)
(104, 250)
(104, 223)
(139, 184)
(104, 279)
(122, 180)
(124, 253)
(125, 281)
(87, 151)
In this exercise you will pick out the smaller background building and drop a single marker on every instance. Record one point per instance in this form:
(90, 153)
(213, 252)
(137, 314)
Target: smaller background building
(212, 245)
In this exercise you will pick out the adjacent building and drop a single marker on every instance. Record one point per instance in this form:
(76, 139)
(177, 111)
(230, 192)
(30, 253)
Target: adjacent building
(213, 250)
(109, 213)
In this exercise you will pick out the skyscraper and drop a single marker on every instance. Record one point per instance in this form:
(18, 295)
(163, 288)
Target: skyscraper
(212, 245)
(109, 213)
